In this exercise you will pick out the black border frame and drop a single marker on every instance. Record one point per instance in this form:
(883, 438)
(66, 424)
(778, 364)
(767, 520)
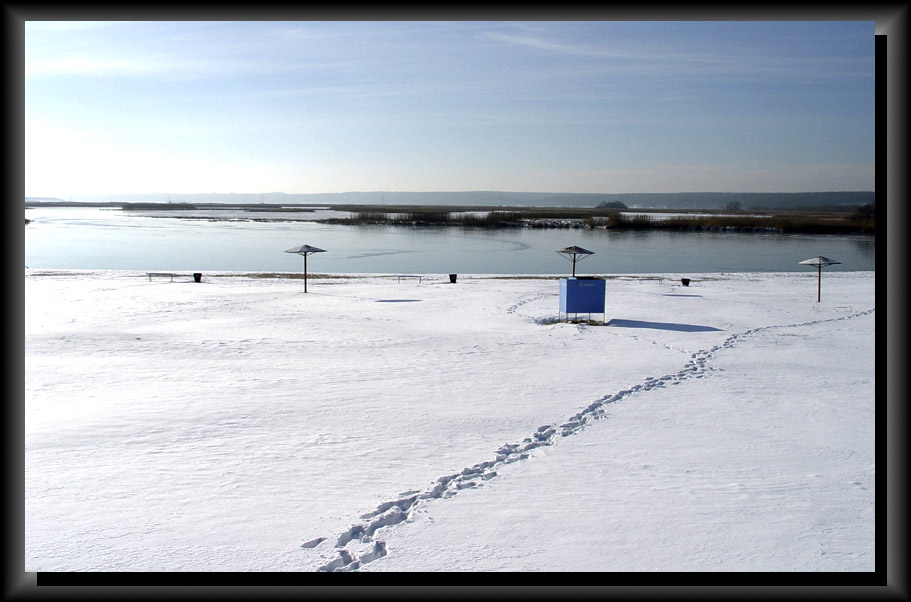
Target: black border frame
(887, 581)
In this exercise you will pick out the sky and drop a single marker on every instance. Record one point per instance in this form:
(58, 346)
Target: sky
(537, 106)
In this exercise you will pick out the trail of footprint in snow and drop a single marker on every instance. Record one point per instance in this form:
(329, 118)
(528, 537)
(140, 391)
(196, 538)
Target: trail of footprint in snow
(393, 512)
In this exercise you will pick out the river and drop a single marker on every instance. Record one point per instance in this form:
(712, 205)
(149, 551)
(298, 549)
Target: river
(108, 238)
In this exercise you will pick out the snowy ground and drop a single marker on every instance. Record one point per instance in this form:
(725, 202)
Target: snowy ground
(239, 424)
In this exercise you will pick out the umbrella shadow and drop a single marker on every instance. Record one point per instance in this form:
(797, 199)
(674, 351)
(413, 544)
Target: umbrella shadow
(661, 326)
(398, 300)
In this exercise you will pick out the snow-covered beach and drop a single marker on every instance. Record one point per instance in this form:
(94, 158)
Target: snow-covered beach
(372, 424)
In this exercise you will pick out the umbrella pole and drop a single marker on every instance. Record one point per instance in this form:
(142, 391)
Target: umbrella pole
(305, 272)
(818, 282)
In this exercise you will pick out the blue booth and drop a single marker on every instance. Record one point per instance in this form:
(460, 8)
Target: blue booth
(582, 295)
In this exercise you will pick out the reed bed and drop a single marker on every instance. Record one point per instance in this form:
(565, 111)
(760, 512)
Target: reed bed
(787, 224)
(810, 223)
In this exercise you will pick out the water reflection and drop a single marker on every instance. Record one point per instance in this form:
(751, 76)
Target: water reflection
(865, 246)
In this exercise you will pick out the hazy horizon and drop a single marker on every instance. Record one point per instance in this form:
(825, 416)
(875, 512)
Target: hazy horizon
(693, 200)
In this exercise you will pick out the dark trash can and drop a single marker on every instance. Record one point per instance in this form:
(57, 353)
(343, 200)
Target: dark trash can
(452, 278)
(685, 281)
(197, 276)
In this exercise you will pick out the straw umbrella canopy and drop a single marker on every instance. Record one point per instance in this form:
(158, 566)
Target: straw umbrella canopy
(819, 263)
(305, 250)
(575, 254)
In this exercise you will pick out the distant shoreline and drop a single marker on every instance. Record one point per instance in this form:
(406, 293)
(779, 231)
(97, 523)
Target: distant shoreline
(818, 220)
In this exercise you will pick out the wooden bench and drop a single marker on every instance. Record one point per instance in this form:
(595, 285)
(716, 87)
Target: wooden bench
(400, 276)
(162, 274)
(170, 275)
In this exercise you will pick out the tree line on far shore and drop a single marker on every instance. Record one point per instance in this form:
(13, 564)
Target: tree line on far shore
(861, 221)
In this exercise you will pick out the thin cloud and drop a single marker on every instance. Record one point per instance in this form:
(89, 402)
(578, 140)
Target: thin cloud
(163, 66)
(81, 65)
(539, 43)
(678, 61)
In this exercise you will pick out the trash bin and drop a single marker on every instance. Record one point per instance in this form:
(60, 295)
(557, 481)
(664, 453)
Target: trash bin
(685, 281)
(452, 278)
(197, 276)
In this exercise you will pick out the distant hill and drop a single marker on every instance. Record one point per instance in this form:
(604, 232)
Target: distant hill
(643, 200)
(42, 199)
(746, 200)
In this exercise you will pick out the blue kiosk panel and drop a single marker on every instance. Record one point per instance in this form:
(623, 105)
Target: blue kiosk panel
(582, 295)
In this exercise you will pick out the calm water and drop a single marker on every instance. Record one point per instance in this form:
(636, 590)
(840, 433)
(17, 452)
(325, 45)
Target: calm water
(90, 238)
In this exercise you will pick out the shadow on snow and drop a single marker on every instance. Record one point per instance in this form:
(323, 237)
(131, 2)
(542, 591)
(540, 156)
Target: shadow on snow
(661, 326)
